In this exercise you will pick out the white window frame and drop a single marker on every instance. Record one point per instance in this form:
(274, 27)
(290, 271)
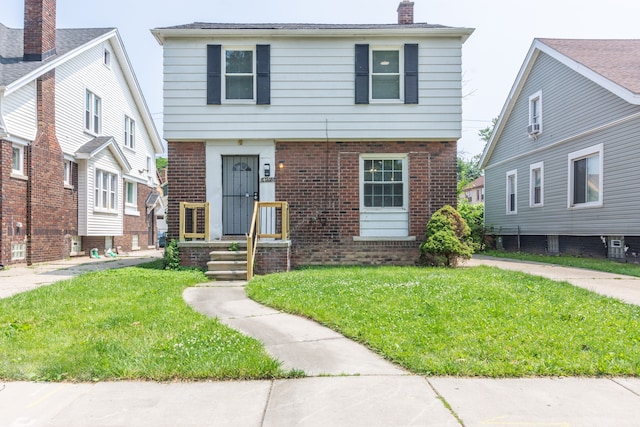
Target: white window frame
(400, 50)
(514, 174)
(106, 58)
(106, 197)
(405, 181)
(129, 132)
(131, 208)
(532, 183)
(19, 149)
(253, 74)
(18, 251)
(535, 113)
(68, 172)
(579, 155)
(92, 113)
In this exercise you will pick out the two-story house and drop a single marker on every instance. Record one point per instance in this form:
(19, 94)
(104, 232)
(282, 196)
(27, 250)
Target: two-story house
(559, 166)
(355, 126)
(77, 142)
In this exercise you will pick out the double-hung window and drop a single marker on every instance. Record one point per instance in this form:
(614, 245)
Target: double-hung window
(585, 177)
(129, 132)
(68, 172)
(92, 112)
(536, 184)
(106, 191)
(383, 183)
(512, 192)
(17, 159)
(385, 74)
(535, 114)
(239, 74)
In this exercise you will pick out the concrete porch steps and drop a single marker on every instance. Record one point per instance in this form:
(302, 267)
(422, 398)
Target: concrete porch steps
(225, 264)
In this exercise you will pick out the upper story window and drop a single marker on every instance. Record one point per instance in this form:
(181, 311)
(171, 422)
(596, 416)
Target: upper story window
(239, 74)
(512, 192)
(535, 114)
(129, 132)
(93, 113)
(17, 159)
(106, 191)
(585, 177)
(536, 184)
(106, 58)
(386, 74)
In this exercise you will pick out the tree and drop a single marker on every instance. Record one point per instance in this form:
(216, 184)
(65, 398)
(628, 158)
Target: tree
(485, 134)
(446, 239)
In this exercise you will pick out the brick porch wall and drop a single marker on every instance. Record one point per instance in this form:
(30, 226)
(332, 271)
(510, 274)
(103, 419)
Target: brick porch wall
(321, 183)
(187, 180)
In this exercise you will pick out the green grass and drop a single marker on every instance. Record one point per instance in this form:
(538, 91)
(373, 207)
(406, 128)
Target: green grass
(129, 323)
(479, 321)
(572, 261)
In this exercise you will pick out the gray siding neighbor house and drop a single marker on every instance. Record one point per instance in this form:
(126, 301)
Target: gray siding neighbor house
(560, 166)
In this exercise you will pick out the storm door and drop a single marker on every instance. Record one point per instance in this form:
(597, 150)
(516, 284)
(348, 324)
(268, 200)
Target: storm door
(240, 184)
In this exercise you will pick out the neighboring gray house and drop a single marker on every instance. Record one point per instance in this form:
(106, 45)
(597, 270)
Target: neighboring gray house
(560, 166)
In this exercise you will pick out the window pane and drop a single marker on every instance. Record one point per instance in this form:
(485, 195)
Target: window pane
(385, 87)
(239, 87)
(386, 61)
(15, 159)
(239, 61)
(593, 178)
(579, 181)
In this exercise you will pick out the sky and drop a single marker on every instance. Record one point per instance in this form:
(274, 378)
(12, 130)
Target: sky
(491, 57)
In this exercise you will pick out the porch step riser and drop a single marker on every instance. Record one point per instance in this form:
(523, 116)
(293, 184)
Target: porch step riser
(227, 275)
(227, 265)
(228, 256)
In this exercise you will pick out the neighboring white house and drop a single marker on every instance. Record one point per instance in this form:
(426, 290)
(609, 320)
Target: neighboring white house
(560, 164)
(75, 128)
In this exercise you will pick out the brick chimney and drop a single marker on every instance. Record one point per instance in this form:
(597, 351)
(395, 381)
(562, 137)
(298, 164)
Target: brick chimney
(39, 29)
(405, 12)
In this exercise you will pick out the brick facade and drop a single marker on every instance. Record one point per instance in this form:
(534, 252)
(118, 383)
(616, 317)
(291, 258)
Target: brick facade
(13, 207)
(187, 178)
(40, 29)
(320, 181)
(136, 225)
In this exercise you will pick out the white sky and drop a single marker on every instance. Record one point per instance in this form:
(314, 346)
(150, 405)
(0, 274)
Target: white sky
(492, 56)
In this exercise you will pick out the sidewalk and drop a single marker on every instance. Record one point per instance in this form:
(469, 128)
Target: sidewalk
(350, 386)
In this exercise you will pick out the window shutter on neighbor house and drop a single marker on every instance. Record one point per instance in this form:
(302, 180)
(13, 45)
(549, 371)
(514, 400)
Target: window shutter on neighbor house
(362, 74)
(214, 74)
(410, 73)
(263, 74)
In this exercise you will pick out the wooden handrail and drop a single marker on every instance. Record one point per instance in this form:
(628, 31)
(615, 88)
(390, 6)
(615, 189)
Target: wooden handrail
(256, 233)
(193, 234)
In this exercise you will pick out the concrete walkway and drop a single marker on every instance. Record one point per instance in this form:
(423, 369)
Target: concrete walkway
(350, 386)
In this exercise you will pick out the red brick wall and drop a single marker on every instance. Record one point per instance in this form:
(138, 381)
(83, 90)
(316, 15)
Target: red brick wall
(13, 206)
(39, 26)
(321, 183)
(187, 180)
(51, 209)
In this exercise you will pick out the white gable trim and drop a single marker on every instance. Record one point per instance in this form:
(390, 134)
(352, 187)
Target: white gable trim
(115, 150)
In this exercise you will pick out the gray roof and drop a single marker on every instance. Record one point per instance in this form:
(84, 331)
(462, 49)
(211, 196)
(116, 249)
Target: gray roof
(98, 144)
(94, 145)
(219, 26)
(12, 67)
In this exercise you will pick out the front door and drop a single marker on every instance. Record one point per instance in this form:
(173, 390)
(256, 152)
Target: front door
(240, 184)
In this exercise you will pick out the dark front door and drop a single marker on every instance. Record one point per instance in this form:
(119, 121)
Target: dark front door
(240, 183)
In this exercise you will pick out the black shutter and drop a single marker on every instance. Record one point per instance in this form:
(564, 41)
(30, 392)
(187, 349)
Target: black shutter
(410, 73)
(214, 74)
(263, 81)
(362, 74)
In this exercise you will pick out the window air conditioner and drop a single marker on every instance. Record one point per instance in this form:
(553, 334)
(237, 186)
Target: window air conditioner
(533, 129)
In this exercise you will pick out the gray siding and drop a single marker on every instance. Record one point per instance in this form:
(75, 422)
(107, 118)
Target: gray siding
(571, 105)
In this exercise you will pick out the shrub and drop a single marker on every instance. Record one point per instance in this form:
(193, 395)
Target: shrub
(446, 239)
(474, 217)
(172, 256)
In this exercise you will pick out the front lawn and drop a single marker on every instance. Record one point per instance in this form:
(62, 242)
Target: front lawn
(129, 323)
(478, 321)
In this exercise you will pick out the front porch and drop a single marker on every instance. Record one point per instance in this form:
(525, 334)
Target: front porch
(265, 249)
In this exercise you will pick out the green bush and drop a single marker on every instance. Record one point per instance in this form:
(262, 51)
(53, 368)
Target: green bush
(447, 238)
(172, 256)
(474, 217)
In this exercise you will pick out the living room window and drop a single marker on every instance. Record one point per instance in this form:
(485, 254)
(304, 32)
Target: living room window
(536, 184)
(106, 191)
(585, 177)
(383, 183)
(129, 132)
(239, 74)
(512, 192)
(93, 113)
(17, 159)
